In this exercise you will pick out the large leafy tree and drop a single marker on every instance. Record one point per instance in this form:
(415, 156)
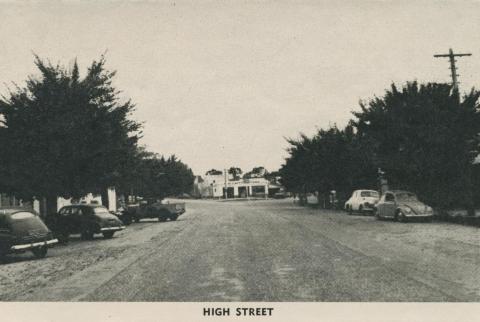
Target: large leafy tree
(235, 172)
(160, 177)
(297, 170)
(424, 137)
(64, 135)
(213, 172)
(257, 172)
(333, 159)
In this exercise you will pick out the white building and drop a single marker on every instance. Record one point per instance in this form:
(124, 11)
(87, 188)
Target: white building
(221, 186)
(91, 198)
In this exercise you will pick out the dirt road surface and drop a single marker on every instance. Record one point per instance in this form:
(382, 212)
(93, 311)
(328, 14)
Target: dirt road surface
(269, 250)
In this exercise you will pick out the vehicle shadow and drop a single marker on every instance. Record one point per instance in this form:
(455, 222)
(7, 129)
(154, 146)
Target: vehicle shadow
(154, 220)
(17, 258)
(77, 239)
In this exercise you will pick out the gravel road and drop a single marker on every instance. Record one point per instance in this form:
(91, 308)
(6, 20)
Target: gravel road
(269, 250)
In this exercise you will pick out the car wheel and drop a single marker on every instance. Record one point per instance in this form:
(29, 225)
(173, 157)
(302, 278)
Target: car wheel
(137, 219)
(63, 238)
(108, 234)
(400, 217)
(173, 217)
(349, 210)
(126, 219)
(377, 214)
(40, 252)
(162, 218)
(87, 235)
(360, 210)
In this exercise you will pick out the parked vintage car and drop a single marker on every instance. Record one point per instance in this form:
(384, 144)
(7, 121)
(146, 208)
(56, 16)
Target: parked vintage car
(152, 208)
(280, 195)
(402, 206)
(84, 219)
(362, 201)
(124, 217)
(22, 230)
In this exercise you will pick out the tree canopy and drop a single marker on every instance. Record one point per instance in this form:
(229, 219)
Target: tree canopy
(214, 172)
(424, 137)
(64, 135)
(159, 177)
(235, 172)
(257, 172)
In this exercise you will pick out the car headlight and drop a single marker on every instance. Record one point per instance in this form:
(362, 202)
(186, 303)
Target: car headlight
(428, 209)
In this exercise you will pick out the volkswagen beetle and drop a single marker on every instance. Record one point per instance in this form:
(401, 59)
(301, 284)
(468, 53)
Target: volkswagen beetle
(402, 206)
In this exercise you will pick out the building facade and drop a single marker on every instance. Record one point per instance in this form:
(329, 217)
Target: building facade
(223, 186)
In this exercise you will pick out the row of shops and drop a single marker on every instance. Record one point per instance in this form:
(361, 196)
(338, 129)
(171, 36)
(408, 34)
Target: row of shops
(220, 186)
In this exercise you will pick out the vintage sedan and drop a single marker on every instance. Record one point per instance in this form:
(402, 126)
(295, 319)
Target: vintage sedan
(84, 219)
(402, 206)
(153, 208)
(22, 230)
(362, 201)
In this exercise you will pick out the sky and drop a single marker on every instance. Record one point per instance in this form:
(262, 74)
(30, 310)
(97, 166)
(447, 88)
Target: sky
(223, 83)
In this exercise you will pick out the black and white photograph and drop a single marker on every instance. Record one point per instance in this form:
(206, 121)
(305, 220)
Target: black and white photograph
(240, 152)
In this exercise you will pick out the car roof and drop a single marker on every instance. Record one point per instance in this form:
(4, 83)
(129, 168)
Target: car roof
(400, 191)
(12, 210)
(88, 205)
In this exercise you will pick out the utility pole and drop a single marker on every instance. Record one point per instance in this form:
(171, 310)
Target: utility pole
(226, 187)
(451, 56)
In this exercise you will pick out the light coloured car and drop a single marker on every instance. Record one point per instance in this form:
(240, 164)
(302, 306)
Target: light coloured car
(362, 201)
(402, 206)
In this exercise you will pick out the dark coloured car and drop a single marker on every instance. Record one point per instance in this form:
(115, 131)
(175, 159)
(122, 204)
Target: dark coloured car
(402, 206)
(152, 208)
(22, 230)
(124, 217)
(84, 219)
(280, 195)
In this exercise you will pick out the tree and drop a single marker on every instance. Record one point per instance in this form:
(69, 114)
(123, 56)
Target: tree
(333, 159)
(297, 170)
(63, 135)
(425, 138)
(131, 181)
(235, 172)
(273, 177)
(161, 177)
(213, 172)
(257, 172)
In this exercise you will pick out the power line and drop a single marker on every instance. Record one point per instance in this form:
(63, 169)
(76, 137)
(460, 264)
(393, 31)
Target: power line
(453, 68)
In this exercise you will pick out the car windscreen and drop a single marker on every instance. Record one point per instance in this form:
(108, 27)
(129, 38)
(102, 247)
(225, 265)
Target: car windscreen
(101, 212)
(23, 222)
(372, 194)
(406, 196)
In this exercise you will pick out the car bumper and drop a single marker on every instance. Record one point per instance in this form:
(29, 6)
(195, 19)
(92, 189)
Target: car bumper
(47, 243)
(117, 228)
(411, 215)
